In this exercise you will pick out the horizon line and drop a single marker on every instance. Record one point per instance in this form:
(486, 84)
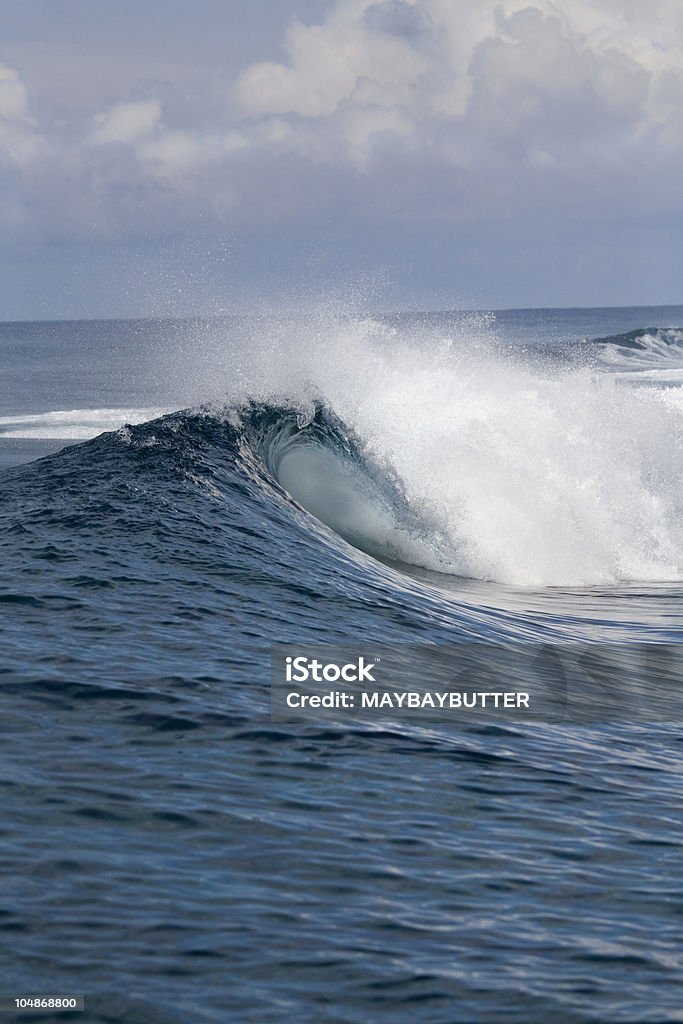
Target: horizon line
(375, 312)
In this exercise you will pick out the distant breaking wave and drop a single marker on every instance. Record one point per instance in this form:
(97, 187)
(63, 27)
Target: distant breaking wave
(659, 340)
(653, 351)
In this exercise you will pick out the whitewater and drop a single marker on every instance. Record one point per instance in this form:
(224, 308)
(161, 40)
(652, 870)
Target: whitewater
(510, 471)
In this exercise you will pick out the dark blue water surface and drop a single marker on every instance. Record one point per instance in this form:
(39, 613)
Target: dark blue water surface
(173, 854)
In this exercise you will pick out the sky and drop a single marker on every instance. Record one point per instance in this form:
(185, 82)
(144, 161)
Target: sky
(162, 157)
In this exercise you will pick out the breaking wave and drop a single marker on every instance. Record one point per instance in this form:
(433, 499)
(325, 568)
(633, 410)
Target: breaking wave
(452, 452)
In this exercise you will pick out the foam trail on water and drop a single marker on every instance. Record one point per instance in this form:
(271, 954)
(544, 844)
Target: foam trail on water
(73, 424)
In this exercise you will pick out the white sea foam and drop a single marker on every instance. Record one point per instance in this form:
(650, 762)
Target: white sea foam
(521, 472)
(72, 424)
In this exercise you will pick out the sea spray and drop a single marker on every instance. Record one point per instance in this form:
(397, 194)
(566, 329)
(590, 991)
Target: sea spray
(522, 469)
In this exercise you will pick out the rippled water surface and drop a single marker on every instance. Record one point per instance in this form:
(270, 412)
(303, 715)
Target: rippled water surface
(172, 853)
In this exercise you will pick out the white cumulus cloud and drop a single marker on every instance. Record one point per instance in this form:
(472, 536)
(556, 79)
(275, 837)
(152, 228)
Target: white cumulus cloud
(20, 142)
(458, 71)
(407, 108)
(127, 121)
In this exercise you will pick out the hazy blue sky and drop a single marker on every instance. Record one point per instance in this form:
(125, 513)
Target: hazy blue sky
(162, 156)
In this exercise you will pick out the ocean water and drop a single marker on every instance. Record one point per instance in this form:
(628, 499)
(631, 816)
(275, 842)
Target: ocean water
(176, 497)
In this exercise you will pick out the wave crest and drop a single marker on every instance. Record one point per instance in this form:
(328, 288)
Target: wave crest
(498, 467)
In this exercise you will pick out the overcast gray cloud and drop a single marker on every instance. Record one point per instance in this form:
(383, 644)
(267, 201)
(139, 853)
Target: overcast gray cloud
(379, 113)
